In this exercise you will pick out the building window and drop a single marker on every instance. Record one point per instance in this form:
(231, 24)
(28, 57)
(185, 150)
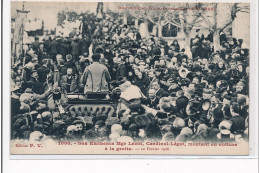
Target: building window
(169, 30)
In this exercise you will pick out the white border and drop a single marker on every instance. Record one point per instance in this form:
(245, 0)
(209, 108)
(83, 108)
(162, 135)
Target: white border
(253, 94)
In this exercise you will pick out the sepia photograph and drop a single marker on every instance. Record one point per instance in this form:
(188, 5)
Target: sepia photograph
(166, 78)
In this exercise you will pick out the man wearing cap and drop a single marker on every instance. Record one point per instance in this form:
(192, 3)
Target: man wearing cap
(95, 77)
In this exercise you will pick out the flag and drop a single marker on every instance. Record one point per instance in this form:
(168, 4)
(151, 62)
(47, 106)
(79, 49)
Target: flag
(18, 34)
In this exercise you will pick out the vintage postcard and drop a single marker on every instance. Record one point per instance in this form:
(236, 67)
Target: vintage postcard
(130, 78)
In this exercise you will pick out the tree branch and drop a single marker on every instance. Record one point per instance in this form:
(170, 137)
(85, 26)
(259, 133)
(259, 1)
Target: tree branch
(174, 24)
(151, 20)
(210, 25)
(232, 17)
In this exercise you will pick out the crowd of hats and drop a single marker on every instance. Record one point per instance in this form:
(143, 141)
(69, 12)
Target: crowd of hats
(191, 94)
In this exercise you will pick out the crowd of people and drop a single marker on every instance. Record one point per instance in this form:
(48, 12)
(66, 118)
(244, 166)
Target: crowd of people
(160, 91)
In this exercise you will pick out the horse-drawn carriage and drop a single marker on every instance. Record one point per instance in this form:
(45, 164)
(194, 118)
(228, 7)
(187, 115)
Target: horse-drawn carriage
(83, 104)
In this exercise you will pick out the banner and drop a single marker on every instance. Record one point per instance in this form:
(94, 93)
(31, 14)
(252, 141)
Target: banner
(18, 34)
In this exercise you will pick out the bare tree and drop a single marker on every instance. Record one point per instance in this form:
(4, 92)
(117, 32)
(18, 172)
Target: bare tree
(214, 17)
(156, 13)
(223, 16)
(189, 19)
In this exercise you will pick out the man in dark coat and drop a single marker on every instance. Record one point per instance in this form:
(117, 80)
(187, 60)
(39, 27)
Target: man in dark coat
(121, 70)
(35, 45)
(159, 91)
(69, 81)
(64, 47)
(47, 44)
(43, 71)
(70, 63)
(75, 49)
(232, 74)
(36, 87)
(152, 101)
(84, 45)
(54, 48)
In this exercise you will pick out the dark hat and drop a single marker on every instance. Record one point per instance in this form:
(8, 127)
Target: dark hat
(238, 124)
(100, 123)
(78, 122)
(194, 106)
(196, 68)
(211, 66)
(218, 114)
(227, 97)
(167, 107)
(195, 117)
(151, 117)
(226, 112)
(133, 127)
(173, 95)
(25, 128)
(99, 50)
(121, 80)
(190, 75)
(161, 115)
(46, 124)
(201, 85)
(185, 82)
(182, 102)
(96, 57)
(142, 121)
